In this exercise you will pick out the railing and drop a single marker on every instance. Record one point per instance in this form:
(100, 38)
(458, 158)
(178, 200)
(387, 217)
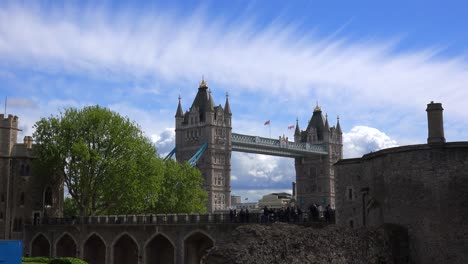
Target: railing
(173, 219)
(281, 145)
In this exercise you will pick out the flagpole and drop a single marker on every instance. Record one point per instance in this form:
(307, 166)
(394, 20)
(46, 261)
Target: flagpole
(269, 126)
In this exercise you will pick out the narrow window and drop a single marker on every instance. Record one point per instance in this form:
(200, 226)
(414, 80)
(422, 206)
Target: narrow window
(351, 223)
(22, 170)
(22, 199)
(27, 172)
(2, 199)
(1, 215)
(350, 193)
(48, 197)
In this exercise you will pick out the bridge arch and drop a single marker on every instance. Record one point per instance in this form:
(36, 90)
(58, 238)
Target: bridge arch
(40, 246)
(66, 246)
(125, 249)
(94, 249)
(196, 243)
(159, 249)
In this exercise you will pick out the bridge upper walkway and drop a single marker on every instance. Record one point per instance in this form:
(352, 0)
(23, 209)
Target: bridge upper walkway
(276, 147)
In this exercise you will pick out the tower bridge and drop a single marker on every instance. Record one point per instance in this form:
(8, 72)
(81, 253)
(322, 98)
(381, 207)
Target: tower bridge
(204, 137)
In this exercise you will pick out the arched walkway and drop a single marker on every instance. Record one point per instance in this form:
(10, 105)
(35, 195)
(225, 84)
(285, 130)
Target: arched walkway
(40, 247)
(125, 251)
(94, 250)
(195, 247)
(159, 251)
(66, 247)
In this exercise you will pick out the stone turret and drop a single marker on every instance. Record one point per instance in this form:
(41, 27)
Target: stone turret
(297, 132)
(8, 133)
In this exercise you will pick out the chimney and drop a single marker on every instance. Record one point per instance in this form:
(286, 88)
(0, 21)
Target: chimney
(28, 141)
(435, 123)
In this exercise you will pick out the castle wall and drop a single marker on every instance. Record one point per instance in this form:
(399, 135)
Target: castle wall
(421, 187)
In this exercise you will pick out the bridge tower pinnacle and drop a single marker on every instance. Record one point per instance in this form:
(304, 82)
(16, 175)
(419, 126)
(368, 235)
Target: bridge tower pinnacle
(206, 123)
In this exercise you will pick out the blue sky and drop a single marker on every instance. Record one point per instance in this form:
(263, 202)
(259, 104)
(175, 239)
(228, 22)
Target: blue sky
(374, 64)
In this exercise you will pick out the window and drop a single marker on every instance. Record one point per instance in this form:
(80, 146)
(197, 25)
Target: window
(22, 170)
(350, 193)
(17, 225)
(27, 171)
(48, 197)
(2, 198)
(21, 199)
(351, 223)
(1, 216)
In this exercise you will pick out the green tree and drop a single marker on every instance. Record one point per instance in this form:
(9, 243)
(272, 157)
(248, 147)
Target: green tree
(107, 164)
(110, 167)
(181, 190)
(69, 207)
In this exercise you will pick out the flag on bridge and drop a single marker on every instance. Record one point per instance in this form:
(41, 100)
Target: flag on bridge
(267, 122)
(291, 127)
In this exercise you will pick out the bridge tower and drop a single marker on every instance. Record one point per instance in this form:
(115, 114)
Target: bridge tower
(206, 123)
(315, 178)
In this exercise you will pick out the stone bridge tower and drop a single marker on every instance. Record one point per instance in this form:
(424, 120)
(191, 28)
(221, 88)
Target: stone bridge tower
(315, 174)
(206, 123)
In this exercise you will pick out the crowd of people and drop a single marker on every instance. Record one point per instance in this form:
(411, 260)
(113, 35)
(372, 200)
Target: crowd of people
(293, 213)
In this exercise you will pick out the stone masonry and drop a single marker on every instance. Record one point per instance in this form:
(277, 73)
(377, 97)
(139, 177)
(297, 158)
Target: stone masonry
(422, 188)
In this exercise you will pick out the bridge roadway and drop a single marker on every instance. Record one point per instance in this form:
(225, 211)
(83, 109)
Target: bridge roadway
(276, 147)
(172, 238)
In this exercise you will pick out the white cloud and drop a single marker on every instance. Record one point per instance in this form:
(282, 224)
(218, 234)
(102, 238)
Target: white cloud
(275, 59)
(362, 139)
(165, 141)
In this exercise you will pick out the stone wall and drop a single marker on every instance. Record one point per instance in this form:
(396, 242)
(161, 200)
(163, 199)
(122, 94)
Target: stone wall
(422, 188)
(283, 243)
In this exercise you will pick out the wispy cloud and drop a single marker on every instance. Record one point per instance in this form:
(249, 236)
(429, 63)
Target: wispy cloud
(277, 57)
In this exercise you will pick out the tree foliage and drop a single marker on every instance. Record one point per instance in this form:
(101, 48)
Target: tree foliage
(108, 165)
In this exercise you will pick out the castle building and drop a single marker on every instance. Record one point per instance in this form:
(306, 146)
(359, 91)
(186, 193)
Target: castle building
(315, 178)
(24, 193)
(206, 123)
(420, 188)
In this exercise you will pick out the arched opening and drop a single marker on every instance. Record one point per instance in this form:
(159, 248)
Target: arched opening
(159, 251)
(94, 250)
(40, 247)
(125, 250)
(48, 197)
(66, 247)
(196, 246)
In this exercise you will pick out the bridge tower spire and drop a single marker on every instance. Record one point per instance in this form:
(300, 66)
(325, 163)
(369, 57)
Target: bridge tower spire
(206, 123)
